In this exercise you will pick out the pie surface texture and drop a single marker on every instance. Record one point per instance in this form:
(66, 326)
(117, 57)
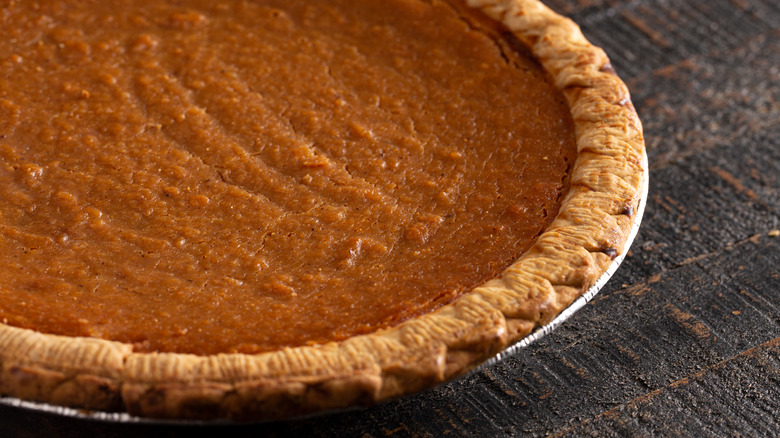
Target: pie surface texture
(213, 171)
(486, 285)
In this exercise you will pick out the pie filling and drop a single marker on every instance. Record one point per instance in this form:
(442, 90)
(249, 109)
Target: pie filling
(239, 176)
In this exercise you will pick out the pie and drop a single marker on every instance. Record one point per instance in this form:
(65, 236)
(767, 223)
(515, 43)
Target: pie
(262, 209)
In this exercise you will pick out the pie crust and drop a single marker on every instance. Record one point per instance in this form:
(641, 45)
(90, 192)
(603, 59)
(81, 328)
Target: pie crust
(590, 230)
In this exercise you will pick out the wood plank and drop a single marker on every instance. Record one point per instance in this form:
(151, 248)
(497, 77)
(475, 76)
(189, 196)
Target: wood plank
(705, 101)
(706, 203)
(642, 36)
(737, 397)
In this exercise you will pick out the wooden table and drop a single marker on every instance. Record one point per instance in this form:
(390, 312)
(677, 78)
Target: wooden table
(685, 339)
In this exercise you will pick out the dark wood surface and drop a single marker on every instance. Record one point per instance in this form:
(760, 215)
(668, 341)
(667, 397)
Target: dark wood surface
(685, 339)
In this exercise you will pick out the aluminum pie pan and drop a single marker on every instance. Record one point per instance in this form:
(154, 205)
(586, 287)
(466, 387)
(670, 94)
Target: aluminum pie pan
(538, 333)
(583, 299)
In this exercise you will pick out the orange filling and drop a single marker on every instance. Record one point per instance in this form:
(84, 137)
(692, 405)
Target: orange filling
(204, 177)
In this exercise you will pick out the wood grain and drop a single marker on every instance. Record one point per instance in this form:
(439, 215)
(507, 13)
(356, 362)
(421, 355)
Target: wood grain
(706, 101)
(739, 396)
(643, 36)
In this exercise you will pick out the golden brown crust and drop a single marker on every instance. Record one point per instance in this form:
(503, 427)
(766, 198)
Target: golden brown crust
(591, 229)
(80, 372)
